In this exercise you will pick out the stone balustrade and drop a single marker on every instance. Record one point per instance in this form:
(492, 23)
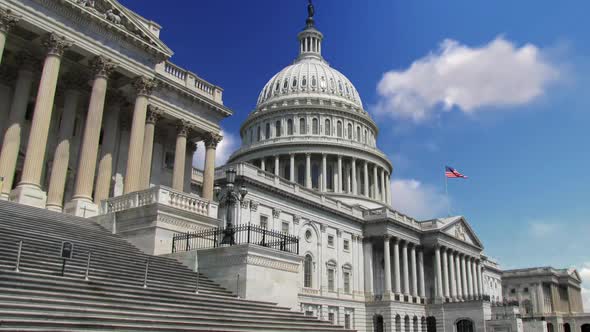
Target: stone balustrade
(161, 195)
(190, 81)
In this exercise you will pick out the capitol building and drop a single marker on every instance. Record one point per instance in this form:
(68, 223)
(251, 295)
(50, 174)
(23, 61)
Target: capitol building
(98, 123)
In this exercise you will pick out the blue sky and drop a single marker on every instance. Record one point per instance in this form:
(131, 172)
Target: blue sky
(497, 90)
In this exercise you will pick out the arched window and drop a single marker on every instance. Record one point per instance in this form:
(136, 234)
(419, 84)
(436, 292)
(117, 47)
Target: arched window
(431, 324)
(302, 126)
(313, 81)
(286, 84)
(315, 127)
(465, 325)
(365, 137)
(278, 128)
(339, 128)
(327, 127)
(258, 134)
(349, 129)
(315, 176)
(307, 270)
(301, 174)
(358, 134)
(303, 81)
(586, 328)
(378, 323)
(294, 82)
(267, 131)
(289, 127)
(567, 327)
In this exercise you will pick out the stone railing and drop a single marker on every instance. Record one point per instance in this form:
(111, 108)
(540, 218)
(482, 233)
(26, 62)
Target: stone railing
(382, 213)
(309, 291)
(251, 171)
(190, 81)
(196, 175)
(162, 195)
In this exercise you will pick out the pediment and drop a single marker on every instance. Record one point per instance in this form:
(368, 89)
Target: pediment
(459, 228)
(122, 20)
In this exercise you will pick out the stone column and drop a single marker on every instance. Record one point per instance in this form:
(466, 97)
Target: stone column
(387, 266)
(422, 290)
(480, 279)
(16, 117)
(464, 286)
(308, 170)
(29, 190)
(388, 188)
(143, 86)
(211, 141)
(375, 184)
(445, 274)
(474, 278)
(109, 146)
(82, 203)
(292, 167)
(383, 191)
(277, 165)
(354, 183)
(452, 278)
(406, 268)
(368, 253)
(438, 269)
(414, 271)
(366, 178)
(540, 297)
(263, 164)
(396, 268)
(340, 177)
(153, 114)
(183, 129)
(460, 294)
(7, 21)
(469, 278)
(324, 173)
(61, 157)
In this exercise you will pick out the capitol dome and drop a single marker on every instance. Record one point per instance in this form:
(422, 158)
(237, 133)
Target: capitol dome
(309, 127)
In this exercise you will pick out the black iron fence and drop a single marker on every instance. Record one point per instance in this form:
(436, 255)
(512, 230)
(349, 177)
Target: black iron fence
(242, 234)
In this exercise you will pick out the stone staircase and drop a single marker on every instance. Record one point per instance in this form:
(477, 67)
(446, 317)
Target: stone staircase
(39, 298)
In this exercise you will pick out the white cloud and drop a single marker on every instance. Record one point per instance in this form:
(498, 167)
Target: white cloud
(466, 78)
(417, 199)
(584, 272)
(542, 229)
(224, 149)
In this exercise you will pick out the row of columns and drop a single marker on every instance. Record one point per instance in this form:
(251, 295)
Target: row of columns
(346, 174)
(141, 139)
(458, 276)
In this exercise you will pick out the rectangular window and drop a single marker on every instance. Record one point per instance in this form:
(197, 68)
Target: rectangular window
(169, 160)
(346, 245)
(264, 222)
(285, 227)
(309, 313)
(330, 240)
(331, 318)
(347, 321)
(346, 276)
(331, 280)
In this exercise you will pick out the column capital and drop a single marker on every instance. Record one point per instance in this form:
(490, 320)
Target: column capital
(191, 147)
(253, 206)
(153, 114)
(55, 44)
(7, 20)
(276, 213)
(144, 86)
(102, 66)
(183, 127)
(308, 154)
(211, 140)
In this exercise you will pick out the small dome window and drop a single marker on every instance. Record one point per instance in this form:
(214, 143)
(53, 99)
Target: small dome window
(347, 90)
(322, 82)
(340, 86)
(294, 82)
(332, 84)
(313, 81)
(286, 84)
(277, 86)
(303, 81)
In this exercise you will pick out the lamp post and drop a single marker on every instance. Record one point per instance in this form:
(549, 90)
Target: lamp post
(229, 196)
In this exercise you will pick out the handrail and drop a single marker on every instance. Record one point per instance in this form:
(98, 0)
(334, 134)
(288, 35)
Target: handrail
(242, 234)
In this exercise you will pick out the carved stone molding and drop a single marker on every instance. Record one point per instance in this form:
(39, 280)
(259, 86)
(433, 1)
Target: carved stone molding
(102, 67)
(271, 263)
(55, 44)
(211, 140)
(253, 206)
(276, 213)
(144, 86)
(245, 204)
(183, 128)
(153, 114)
(7, 20)
(178, 222)
(296, 219)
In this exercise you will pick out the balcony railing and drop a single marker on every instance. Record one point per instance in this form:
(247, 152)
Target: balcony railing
(242, 234)
(190, 81)
(162, 195)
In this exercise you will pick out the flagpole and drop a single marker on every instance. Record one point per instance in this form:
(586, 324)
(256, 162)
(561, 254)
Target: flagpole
(447, 194)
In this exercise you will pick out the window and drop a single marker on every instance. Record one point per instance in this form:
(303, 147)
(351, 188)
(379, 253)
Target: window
(526, 290)
(169, 160)
(349, 129)
(315, 127)
(339, 128)
(285, 227)
(302, 126)
(347, 321)
(267, 131)
(313, 81)
(307, 270)
(315, 176)
(301, 174)
(286, 84)
(331, 318)
(323, 82)
(330, 179)
(294, 82)
(327, 128)
(308, 234)
(365, 137)
(289, 127)
(309, 313)
(278, 128)
(258, 134)
(303, 81)
(330, 240)
(346, 277)
(331, 279)
(358, 134)
(264, 222)
(346, 245)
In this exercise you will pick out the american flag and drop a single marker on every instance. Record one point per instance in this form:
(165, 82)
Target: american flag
(453, 173)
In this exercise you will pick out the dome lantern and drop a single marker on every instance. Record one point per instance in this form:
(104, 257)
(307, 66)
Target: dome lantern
(310, 39)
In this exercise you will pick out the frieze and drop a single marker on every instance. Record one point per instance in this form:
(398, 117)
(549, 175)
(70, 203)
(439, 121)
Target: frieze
(272, 263)
(178, 222)
(245, 204)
